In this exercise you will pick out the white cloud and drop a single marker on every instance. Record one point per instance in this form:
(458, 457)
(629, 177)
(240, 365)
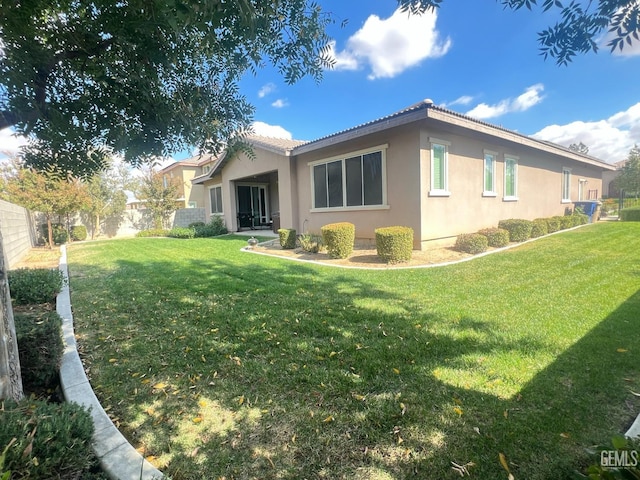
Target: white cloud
(10, 143)
(531, 97)
(608, 139)
(463, 100)
(274, 131)
(266, 90)
(390, 46)
(280, 103)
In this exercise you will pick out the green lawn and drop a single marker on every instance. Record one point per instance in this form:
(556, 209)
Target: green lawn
(218, 363)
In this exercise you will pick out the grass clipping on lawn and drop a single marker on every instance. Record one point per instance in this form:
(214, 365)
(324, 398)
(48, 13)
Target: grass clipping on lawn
(219, 364)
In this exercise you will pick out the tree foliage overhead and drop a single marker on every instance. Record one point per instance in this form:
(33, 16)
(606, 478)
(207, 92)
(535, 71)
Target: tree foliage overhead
(87, 79)
(580, 23)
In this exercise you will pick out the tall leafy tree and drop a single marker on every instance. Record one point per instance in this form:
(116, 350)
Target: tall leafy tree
(629, 179)
(142, 78)
(159, 194)
(106, 199)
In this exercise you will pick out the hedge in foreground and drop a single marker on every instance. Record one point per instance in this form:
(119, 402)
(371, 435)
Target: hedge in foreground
(472, 243)
(40, 348)
(519, 229)
(52, 440)
(631, 214)
(339, 239)
(394, 244)
(496, 237)
(35, 285)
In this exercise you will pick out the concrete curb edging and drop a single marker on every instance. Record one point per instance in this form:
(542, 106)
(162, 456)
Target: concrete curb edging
(118, 459)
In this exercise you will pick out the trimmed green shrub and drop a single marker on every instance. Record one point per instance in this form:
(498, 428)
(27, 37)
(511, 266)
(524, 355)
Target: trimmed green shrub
(539, 228)
(553, 224)
(287, 238)
(196, 224)
(394, 244)
(40, 348)
(579, 218)
(78, 233)
(35, 285)
(472, 243)
(152, 232)
(496, 237)
(631, 214)
(566, 221)
(339, 238)
(53, 440)
(181, 232)
(310, 243)
(214, 228)
(519, 229)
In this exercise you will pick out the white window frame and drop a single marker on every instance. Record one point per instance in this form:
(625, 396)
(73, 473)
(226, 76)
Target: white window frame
(516, 161)
(566, 185)
(581, 188)
(341, 158)
(494, 156)
(211, 212)
(440, 192)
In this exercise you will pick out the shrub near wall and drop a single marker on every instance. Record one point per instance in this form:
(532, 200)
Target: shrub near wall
(472, 243)
(630, 214)
(40, 348)
(539, 228)
(519, 229)
(287, 238)
(394, 244)
(339, 238)
(553, 224)
(496, 237)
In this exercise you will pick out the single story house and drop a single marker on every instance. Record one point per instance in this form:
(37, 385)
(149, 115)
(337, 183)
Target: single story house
(425, 167)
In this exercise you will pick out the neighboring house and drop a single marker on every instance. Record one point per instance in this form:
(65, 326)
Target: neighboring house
(425, 167)
(190, 195)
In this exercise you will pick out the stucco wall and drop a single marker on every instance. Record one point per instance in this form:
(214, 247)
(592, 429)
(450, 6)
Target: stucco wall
(18, 231)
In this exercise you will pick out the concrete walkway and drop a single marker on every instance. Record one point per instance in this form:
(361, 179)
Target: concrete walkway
(119, 460)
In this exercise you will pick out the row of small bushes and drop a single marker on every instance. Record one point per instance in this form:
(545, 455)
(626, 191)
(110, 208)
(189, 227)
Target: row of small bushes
(394, 244)
(516, 230)
(60, 235)
(195, 230)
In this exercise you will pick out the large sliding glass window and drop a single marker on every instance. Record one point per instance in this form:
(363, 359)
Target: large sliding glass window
(354, 181)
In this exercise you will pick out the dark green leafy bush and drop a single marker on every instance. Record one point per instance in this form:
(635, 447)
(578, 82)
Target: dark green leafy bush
(539, 228)
(196, 224)
(624, 450)
(214, 228)
(472, 243)
(339, 239)
(181, 232)
(152, 232)
(310, 243)
(631, 214)
(35, 285)
(60, 235)
(579, 218)
(553, 224)
(40, 348)
(394, 244)
(287, 238)
(519, 229)
(53, 441)
(78, 233)
(496, 237)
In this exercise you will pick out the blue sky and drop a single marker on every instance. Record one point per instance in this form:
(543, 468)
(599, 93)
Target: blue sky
(471, 57)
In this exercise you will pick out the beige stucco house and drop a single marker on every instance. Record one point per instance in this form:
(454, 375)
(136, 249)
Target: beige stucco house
(425, 167)
(182, 173)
